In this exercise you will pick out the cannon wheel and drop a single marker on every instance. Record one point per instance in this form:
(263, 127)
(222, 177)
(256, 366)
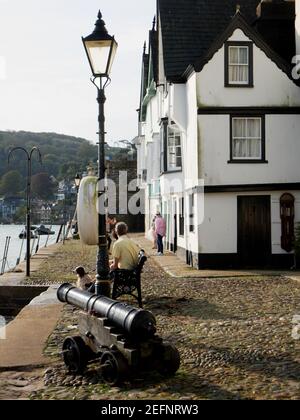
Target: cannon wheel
(75, 354)
(113, 367)
(170, 360)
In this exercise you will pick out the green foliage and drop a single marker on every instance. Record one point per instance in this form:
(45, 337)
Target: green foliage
(57, 150)
(42, 186)
(63, 156)
(11, 183)
(20, 215)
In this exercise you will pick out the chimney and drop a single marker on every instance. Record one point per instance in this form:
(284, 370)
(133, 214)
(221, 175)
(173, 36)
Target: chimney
(276, 24)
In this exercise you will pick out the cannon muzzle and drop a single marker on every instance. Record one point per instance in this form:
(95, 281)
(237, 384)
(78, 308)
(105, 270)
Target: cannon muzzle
(138, 323)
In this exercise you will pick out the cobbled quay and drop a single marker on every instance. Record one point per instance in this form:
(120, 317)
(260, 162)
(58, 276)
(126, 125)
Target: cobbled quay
(234, 336)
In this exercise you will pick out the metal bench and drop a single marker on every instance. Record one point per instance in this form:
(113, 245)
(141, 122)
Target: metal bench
(127, 282)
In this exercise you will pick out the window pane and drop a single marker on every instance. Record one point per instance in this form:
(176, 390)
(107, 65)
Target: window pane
(233, 55)
(177, 141)
(239, 127)
(239, 148)
(254, 148)
(174, 149)
(254, 127)
(238, 65)
(243, 74)
(233, 73)
(246, 138)
(243, 55)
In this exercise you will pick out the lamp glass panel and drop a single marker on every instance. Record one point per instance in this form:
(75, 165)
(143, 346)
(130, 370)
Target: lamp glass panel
(77, 181)
(113, 54)
(98, 52)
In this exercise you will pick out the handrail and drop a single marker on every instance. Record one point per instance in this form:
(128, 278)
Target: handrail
(32, 247)
(4, 260)
(21, 250)
(38, 244)
(59, 233)
(46, 243)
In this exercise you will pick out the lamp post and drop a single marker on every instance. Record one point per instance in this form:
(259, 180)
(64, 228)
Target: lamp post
(28, 197)
(77, 181)
(101, 49)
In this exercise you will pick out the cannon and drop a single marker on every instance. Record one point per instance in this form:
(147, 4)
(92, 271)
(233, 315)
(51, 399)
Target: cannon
(120, 337)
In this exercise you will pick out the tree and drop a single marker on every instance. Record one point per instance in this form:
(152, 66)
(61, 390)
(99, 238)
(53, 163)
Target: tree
(20, 215)
(86, 152)
(42, 186)
(11, 183)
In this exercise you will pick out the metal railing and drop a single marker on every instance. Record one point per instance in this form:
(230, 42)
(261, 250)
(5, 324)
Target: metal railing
(35, 246)
(5, 254)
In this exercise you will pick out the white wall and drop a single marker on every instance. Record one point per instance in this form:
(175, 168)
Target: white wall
(218, 233)
(272, 87)
(179, 106)
(191, 145)
(282, 152)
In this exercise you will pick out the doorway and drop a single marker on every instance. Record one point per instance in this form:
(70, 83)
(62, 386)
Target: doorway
(254, 231)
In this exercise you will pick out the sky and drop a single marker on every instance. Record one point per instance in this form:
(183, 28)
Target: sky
(44, 74)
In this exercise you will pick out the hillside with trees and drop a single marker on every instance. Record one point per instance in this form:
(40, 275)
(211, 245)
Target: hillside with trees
(62, 157)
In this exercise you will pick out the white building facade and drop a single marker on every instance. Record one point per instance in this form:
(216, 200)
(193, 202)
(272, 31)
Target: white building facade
(219, 147)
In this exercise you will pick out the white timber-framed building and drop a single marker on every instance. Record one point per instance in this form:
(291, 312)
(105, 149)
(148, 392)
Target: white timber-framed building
(219, 121)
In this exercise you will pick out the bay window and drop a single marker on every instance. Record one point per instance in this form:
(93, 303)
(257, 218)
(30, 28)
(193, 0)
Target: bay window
(174, 149)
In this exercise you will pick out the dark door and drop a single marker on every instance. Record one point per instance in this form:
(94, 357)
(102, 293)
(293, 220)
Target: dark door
(254, 231)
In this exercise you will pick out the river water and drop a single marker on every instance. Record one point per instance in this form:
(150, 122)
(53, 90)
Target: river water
(15, 243)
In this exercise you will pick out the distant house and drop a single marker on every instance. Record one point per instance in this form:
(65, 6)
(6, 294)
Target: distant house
(219, 114)
(45, 213)
(65, 189)
(9, 207)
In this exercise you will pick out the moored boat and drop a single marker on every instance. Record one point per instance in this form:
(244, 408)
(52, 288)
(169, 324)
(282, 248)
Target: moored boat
(43, 230)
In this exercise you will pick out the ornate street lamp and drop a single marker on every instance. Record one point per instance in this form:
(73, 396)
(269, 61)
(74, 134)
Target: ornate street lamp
(29, 156)
(77, 181)
(101, 49)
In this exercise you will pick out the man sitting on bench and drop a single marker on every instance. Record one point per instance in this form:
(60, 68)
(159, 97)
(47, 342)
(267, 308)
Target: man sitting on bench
(125, 252)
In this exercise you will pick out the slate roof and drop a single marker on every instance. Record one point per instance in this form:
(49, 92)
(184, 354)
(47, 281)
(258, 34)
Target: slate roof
(153, 42)
(190, 27)
(239, 22)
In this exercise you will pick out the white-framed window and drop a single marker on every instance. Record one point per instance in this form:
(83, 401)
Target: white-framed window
(247, 142)
(174, 150)
(239, 64)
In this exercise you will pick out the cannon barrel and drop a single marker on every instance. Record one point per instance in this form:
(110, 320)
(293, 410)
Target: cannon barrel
(137, 323)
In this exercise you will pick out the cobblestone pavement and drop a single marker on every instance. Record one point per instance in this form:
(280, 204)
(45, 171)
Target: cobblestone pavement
(234, 337)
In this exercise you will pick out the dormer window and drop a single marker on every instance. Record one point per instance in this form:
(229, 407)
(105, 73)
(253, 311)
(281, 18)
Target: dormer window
(238, 64)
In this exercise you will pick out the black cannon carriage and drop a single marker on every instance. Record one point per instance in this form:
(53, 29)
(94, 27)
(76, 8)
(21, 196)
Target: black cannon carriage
(120, 337)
